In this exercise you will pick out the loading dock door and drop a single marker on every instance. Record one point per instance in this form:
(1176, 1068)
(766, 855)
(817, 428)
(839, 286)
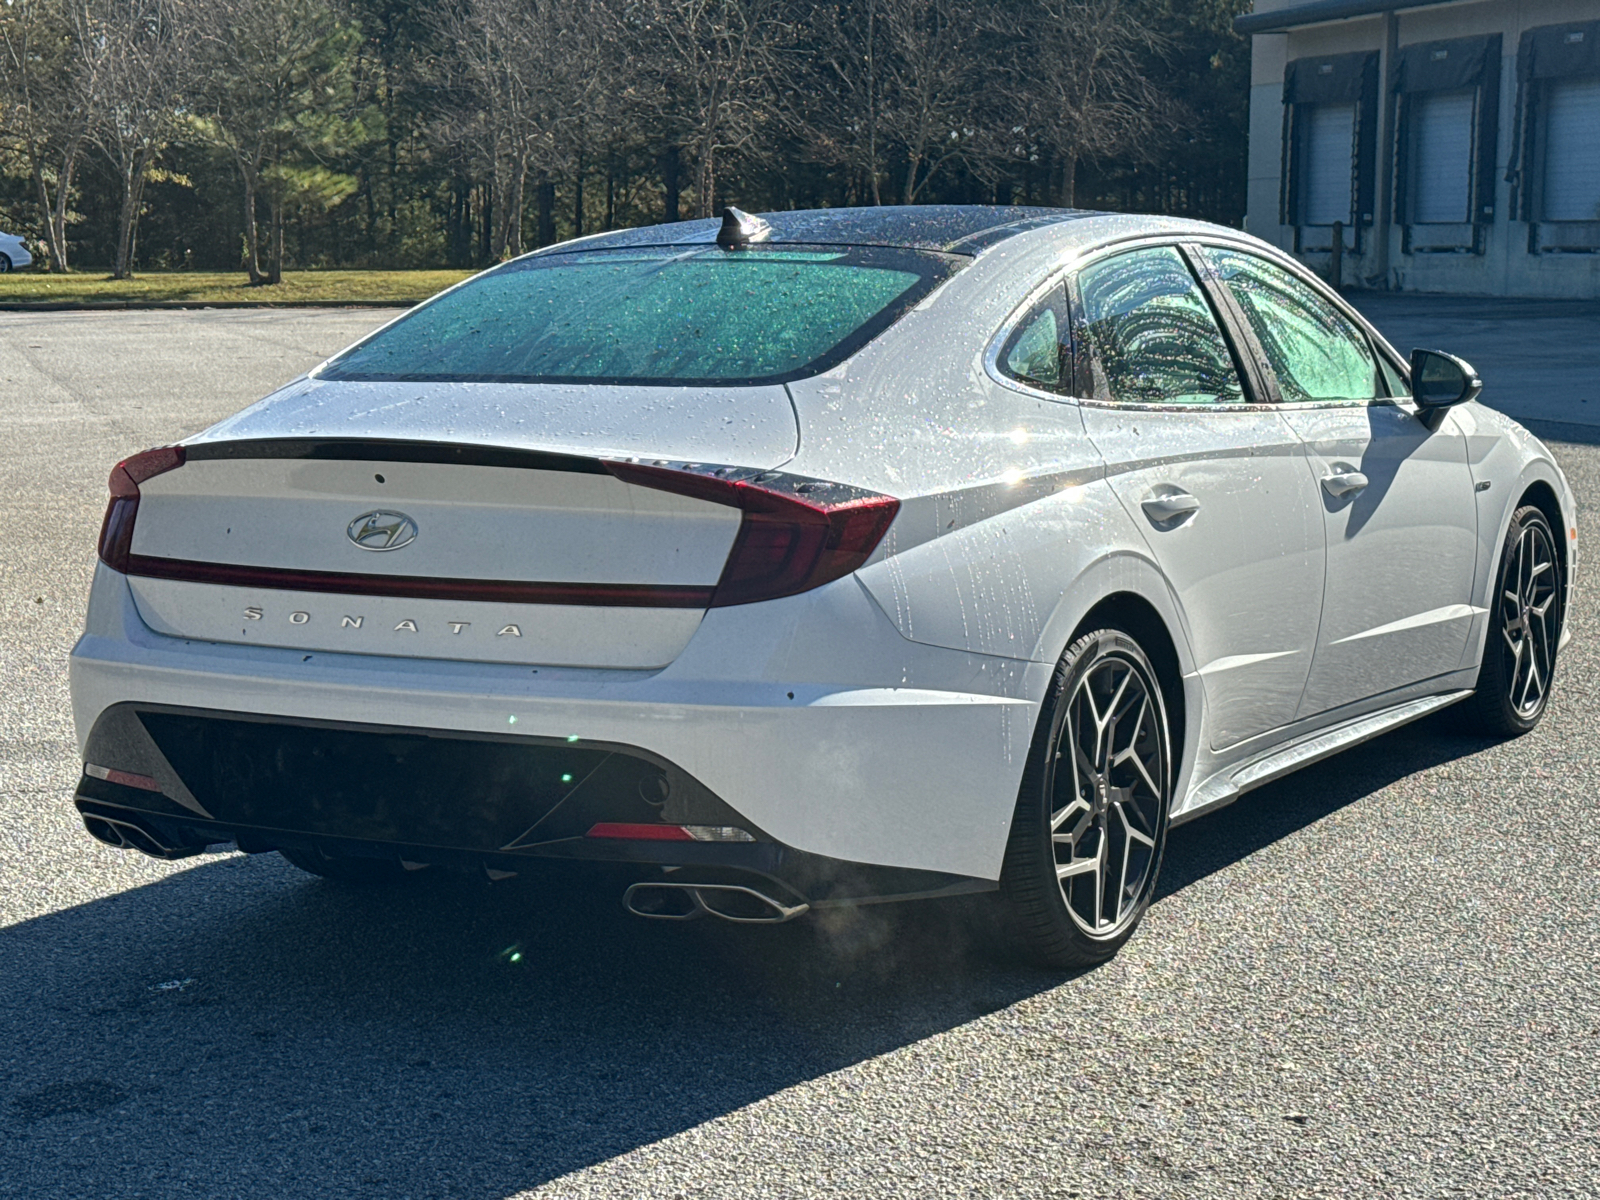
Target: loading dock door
(1328, 148)
(1442, 157)
(1572, 150)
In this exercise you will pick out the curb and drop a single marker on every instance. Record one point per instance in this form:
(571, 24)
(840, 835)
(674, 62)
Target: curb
(118, 305)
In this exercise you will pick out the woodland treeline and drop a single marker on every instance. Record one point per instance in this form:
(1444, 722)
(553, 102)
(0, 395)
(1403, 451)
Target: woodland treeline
(260, 134)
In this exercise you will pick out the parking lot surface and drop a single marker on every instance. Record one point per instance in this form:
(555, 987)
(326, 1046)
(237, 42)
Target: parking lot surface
(1374, 978)
(1539, 359)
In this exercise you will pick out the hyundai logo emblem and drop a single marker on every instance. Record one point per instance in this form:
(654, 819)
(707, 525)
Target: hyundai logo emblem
(382, 530)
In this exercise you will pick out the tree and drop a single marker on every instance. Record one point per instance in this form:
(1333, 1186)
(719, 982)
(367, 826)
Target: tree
(938, 85)
(1082, 89)
(839, 110)
(49, 97)
(917, 82)
(275, 93)
(518, 75)
(706, 71)
(357, 131)
(134, 50)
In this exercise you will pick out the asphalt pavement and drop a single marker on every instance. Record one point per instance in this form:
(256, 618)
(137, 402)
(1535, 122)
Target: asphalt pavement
(1539, 359)
(1375, 978)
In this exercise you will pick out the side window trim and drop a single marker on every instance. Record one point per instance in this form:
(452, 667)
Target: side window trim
(1083, 382)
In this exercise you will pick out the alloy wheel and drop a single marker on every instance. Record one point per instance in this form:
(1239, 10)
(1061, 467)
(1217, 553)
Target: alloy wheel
(1108, 796)
(1530, 621)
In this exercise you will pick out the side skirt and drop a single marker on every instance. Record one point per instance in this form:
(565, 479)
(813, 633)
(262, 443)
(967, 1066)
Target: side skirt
(1234, 781)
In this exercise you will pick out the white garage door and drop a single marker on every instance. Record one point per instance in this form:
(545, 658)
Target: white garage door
(1328, 140)
(1572, 151)
(1441, 156)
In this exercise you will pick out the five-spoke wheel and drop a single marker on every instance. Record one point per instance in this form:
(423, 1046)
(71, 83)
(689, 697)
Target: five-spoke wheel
(1519, 656)
(1091, 820)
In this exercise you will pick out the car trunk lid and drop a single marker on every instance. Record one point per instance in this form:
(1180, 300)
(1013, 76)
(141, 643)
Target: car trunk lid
(295, 525)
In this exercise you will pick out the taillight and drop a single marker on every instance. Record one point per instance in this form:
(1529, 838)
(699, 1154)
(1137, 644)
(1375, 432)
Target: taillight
(116, 531)
(796, 533)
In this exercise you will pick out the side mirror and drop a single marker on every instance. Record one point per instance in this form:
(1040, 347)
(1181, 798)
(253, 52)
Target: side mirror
(1439, 380)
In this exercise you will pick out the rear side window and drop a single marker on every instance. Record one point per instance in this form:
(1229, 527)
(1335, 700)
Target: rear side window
(664, 316)
(1034, 353)
(1151, 333)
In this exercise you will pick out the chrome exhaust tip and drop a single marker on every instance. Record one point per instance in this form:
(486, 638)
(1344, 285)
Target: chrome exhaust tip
(125, 834)
(728, 901)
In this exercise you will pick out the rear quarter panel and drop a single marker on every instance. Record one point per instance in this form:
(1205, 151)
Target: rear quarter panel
(1008, 532)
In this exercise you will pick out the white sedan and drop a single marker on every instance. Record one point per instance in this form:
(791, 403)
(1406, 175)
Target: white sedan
(812, 560)
(13, 253)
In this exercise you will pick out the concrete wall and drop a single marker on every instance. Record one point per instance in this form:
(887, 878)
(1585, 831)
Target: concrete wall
(1505, 268)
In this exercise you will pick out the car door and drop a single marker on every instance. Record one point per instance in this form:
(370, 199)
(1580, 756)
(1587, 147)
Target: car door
(1397, 496)
(1218, 485)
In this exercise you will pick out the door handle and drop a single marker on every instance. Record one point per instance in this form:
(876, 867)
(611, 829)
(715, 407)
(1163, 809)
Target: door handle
(1168, 508)
(1344, 483)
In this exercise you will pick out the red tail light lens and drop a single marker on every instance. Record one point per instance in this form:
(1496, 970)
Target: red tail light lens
(116, 531)
(640, 833)
(797, 534)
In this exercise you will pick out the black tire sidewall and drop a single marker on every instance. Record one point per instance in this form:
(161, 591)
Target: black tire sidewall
(1496, 714)
(1029, 880)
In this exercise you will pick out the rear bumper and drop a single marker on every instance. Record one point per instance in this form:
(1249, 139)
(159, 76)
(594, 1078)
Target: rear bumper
(425, 798)
(809, 721)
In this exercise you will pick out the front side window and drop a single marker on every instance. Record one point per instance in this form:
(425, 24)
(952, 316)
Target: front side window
(1316, 352)
(1151, 333)
(669, 315)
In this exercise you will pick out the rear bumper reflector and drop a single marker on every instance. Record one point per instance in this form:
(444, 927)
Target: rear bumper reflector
(125, 778)
(640, 833)
(422, 587)
(670, 833)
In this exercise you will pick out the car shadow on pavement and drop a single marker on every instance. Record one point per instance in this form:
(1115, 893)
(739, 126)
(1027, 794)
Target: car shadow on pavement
(239, 1029)
(1259, 818)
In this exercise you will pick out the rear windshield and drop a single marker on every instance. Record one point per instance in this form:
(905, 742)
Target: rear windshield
(670, 316)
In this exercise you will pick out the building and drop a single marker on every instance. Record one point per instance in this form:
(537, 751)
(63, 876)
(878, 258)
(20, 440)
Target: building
(1455, 146)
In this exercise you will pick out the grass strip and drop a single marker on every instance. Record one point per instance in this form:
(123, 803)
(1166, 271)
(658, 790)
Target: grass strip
(219, 287)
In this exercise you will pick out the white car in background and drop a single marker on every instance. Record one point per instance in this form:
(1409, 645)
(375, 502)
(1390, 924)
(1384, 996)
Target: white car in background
(13, 253)
(817, 559)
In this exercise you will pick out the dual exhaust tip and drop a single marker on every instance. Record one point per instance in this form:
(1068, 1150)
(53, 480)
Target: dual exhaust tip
(729, 901)
(657, 901)
(124, 833)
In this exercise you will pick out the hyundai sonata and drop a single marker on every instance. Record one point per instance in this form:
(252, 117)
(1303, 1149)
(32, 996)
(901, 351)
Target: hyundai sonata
(813, 560)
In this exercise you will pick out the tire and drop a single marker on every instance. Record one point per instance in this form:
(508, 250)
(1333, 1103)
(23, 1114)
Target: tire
(1115, 812)
(5, 264)
(368, 872)
(1524, 634)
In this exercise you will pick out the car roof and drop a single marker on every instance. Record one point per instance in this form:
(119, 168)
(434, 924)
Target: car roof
(953, 228)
